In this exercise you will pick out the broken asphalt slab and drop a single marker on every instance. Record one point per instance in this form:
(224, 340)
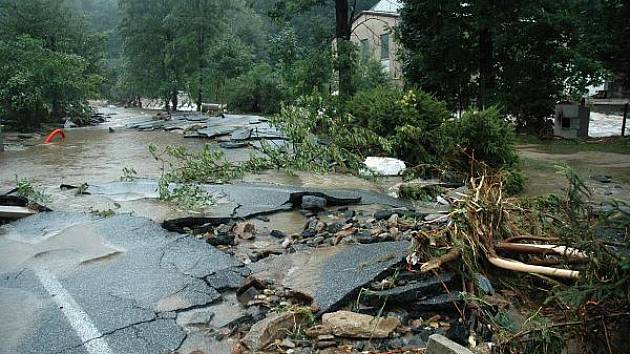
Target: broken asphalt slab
(242, 200)
(115, 283)
(331, 275)
(412, 291)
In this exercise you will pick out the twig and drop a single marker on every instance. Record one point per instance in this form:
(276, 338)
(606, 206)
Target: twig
(606, 336)
(461, 313)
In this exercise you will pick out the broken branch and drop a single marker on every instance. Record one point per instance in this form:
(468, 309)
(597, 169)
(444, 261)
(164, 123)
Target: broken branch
(532, 238)
(540, 249)
(438, 262)
(517, 266)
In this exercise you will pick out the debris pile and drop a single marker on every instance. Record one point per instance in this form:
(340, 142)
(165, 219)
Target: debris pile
(354, 281)
(91, 120)
(341, 283)
(369, 273)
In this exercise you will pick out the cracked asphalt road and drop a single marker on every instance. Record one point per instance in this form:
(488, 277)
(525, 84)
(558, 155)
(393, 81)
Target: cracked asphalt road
(241, 200)
(76, 283)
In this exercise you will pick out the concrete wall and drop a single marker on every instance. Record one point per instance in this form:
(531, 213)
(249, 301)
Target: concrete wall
(370, 26)
(577, 117)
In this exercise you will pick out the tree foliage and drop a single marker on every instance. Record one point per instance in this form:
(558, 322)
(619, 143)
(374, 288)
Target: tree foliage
(518, 54)
(50, 62)
(603, 32)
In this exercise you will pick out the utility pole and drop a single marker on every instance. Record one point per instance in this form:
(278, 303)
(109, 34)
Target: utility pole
(623, 124)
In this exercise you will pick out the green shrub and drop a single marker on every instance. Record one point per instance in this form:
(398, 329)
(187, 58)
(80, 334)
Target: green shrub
(486, 135)
(321, 137)
(310, 74)
(489, 138)
(369, 74)
(259, 90)
(410, 121)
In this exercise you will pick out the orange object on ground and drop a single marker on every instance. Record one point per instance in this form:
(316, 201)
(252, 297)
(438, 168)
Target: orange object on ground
(52, 135)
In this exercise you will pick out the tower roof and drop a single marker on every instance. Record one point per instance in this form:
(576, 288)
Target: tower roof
(387, 6)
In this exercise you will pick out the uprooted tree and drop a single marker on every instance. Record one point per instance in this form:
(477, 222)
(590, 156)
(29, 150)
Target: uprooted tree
(567, 260)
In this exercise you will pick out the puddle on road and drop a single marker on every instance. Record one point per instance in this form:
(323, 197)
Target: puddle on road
(62, 252)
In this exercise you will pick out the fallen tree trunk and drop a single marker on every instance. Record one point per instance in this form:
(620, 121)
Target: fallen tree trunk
(517, 266)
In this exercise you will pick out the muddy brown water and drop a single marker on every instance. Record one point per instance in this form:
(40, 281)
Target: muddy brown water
(93, 155)
(89, 155)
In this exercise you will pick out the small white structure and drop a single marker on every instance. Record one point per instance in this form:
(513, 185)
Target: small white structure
(571, 121)
(383, 166)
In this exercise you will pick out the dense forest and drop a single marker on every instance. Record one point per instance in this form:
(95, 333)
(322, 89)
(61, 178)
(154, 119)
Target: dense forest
(255, 55)
(251, 54)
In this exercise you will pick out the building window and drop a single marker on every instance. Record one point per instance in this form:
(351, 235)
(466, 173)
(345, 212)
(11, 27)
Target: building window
(566, 122)
(384, 46)
(365, 49)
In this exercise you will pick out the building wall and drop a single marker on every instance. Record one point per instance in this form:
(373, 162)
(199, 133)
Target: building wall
(571, 121)
(368, 29)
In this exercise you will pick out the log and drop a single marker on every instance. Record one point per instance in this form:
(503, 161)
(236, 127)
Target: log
(540, 249)
(517, 266)
(15, 212)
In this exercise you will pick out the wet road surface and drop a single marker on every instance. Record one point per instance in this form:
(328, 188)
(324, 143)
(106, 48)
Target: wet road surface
(73, 282)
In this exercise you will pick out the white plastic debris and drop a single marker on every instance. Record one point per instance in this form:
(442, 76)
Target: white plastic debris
(383, 166)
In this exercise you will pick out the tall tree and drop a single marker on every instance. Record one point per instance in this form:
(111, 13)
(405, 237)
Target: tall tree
(603, 30)
(345, 11)
(167, 45)
(518, 54)
(198, 23)
(441, 54)
(50, 62)
(148, 35)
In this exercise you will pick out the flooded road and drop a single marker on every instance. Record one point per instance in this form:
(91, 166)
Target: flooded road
(91, 154)
(126, 279)
(606, 124)
(94, 155)
(541, 166)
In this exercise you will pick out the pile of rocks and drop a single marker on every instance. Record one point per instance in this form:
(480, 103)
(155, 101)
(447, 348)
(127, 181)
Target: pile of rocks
(340, 285)
(351, 227)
